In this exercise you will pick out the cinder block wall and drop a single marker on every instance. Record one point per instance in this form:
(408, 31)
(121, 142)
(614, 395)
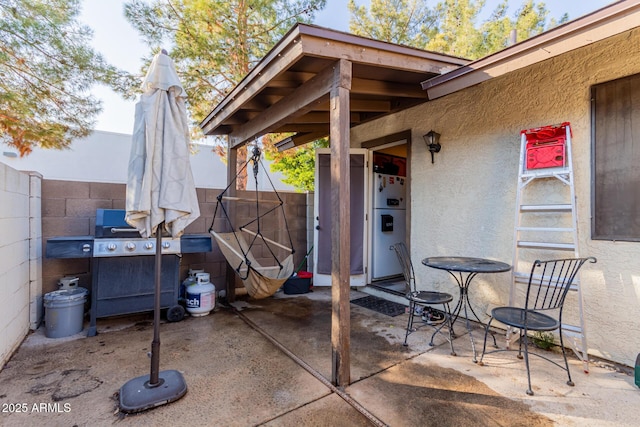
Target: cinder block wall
(69, 209)
(20, 283)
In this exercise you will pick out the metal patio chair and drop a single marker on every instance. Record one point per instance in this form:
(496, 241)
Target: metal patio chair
(423, 299)
(547, 288)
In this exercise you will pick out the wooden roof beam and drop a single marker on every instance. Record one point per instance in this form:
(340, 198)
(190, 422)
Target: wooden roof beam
(299, 139)
(378, 54)
(377, 87)
(302, 127)
(286, 53)
(362, 106)
(301, 100)
(321, 117)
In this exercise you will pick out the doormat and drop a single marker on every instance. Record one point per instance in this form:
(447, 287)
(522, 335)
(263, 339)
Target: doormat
(380, 305)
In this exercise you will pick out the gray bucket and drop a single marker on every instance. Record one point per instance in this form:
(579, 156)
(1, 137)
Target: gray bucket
(64, 312)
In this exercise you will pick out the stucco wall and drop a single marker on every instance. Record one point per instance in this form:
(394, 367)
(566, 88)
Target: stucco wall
(20, 242)
(464, 204)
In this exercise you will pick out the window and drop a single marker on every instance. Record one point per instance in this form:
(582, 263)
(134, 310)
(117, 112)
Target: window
(615, 119)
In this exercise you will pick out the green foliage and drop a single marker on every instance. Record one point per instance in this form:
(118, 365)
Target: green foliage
(456, 33)
(449, 27)
(543, 340)
(298, 164)
(46, 71)
(407, 22)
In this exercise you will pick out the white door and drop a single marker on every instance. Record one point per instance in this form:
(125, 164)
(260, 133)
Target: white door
(322, 218)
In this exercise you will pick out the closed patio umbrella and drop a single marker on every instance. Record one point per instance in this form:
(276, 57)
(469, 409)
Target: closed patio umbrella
(161, 197)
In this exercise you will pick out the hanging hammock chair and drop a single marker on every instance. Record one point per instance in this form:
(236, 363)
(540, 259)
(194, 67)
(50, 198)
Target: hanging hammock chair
(238, 245)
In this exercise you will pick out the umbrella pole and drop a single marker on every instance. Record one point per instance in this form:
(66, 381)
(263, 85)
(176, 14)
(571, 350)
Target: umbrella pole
(158, 388)
(155, 344)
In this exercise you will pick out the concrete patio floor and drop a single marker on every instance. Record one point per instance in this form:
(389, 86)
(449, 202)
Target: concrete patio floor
(237, 377)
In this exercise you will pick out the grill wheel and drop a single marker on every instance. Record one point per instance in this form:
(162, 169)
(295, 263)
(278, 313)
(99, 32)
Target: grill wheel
(175, 313)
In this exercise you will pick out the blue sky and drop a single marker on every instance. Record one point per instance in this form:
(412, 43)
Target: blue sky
(121, 46)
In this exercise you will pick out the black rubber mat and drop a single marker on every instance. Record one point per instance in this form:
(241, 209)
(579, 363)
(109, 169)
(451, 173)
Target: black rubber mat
(380, 305)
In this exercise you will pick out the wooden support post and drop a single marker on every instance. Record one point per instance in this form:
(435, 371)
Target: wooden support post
(340, 218)
(232, 167)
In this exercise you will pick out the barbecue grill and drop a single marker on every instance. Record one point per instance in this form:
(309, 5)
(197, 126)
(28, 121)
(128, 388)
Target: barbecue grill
(123, 266)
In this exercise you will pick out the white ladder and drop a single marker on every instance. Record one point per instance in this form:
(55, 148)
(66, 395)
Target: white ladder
(546, 227)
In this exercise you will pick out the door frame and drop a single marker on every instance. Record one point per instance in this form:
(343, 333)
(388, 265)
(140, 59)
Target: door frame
(402, 141)
(367, 148)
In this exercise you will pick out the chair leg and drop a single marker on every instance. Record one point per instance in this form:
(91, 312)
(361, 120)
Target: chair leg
(484, 344)
(566, 363)
(412, 306)
(495, 343)
(448, 323)
(526, 360)
(523, 336)
(448, 314)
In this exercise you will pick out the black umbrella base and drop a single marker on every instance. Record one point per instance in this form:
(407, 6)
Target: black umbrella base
(137, 395)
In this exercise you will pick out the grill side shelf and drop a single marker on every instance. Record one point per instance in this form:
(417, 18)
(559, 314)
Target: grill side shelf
(195, 243)
(69, 247)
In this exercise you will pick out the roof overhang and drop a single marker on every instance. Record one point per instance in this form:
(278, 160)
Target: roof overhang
(288, 90)
(603, 23)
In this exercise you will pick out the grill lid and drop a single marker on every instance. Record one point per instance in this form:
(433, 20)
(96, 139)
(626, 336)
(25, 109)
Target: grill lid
(110, 223)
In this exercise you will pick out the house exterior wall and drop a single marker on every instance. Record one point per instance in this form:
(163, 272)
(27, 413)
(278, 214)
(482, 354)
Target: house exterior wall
(20, 254)
(464, 204)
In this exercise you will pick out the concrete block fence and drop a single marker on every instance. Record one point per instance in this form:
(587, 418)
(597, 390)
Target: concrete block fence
(20, 257)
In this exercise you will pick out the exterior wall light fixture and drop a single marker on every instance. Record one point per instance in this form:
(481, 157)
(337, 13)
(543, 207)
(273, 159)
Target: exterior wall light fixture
(432, 138)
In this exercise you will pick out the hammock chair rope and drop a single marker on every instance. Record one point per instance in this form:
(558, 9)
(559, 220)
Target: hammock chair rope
(260, 281)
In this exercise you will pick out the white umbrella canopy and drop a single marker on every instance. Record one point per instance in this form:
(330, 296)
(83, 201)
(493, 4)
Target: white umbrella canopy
(160, 190)
(160, 187)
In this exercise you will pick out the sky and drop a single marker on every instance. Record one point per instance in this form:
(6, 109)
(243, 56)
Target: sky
(120, 44)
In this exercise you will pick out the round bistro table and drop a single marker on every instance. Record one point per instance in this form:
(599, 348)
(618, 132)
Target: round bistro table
(463, 270)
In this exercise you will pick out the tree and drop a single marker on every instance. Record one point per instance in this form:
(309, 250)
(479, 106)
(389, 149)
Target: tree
(455, 30)
(213, 43)
(298, 164)
(449, 27)
(46, 72)
(529, 20)
(407, 22)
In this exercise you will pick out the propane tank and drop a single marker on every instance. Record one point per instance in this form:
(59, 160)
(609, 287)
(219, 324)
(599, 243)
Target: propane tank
(190, 280)
(68, 283)
(201, 297)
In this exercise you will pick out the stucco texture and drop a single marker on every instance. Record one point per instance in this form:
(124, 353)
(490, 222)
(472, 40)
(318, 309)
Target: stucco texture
(464, 203)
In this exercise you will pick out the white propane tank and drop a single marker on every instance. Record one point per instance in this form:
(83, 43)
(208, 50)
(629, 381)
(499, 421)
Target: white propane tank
(190, 280)
(68, 283)
(201, 297)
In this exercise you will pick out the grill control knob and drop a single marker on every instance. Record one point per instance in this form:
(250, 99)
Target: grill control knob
(148, 245)
(166, 245)
(130, 246)
(111, 247)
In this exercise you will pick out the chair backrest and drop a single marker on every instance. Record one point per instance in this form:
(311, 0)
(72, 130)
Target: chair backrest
(550, 281)
(407, 267)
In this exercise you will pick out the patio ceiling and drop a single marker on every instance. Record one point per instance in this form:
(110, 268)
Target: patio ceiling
(288, 91)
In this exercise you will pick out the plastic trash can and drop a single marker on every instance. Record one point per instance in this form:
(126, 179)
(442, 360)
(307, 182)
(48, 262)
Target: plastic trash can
(64, 312)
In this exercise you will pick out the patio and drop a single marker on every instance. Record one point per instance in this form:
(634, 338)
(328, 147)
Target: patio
(238, 377)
